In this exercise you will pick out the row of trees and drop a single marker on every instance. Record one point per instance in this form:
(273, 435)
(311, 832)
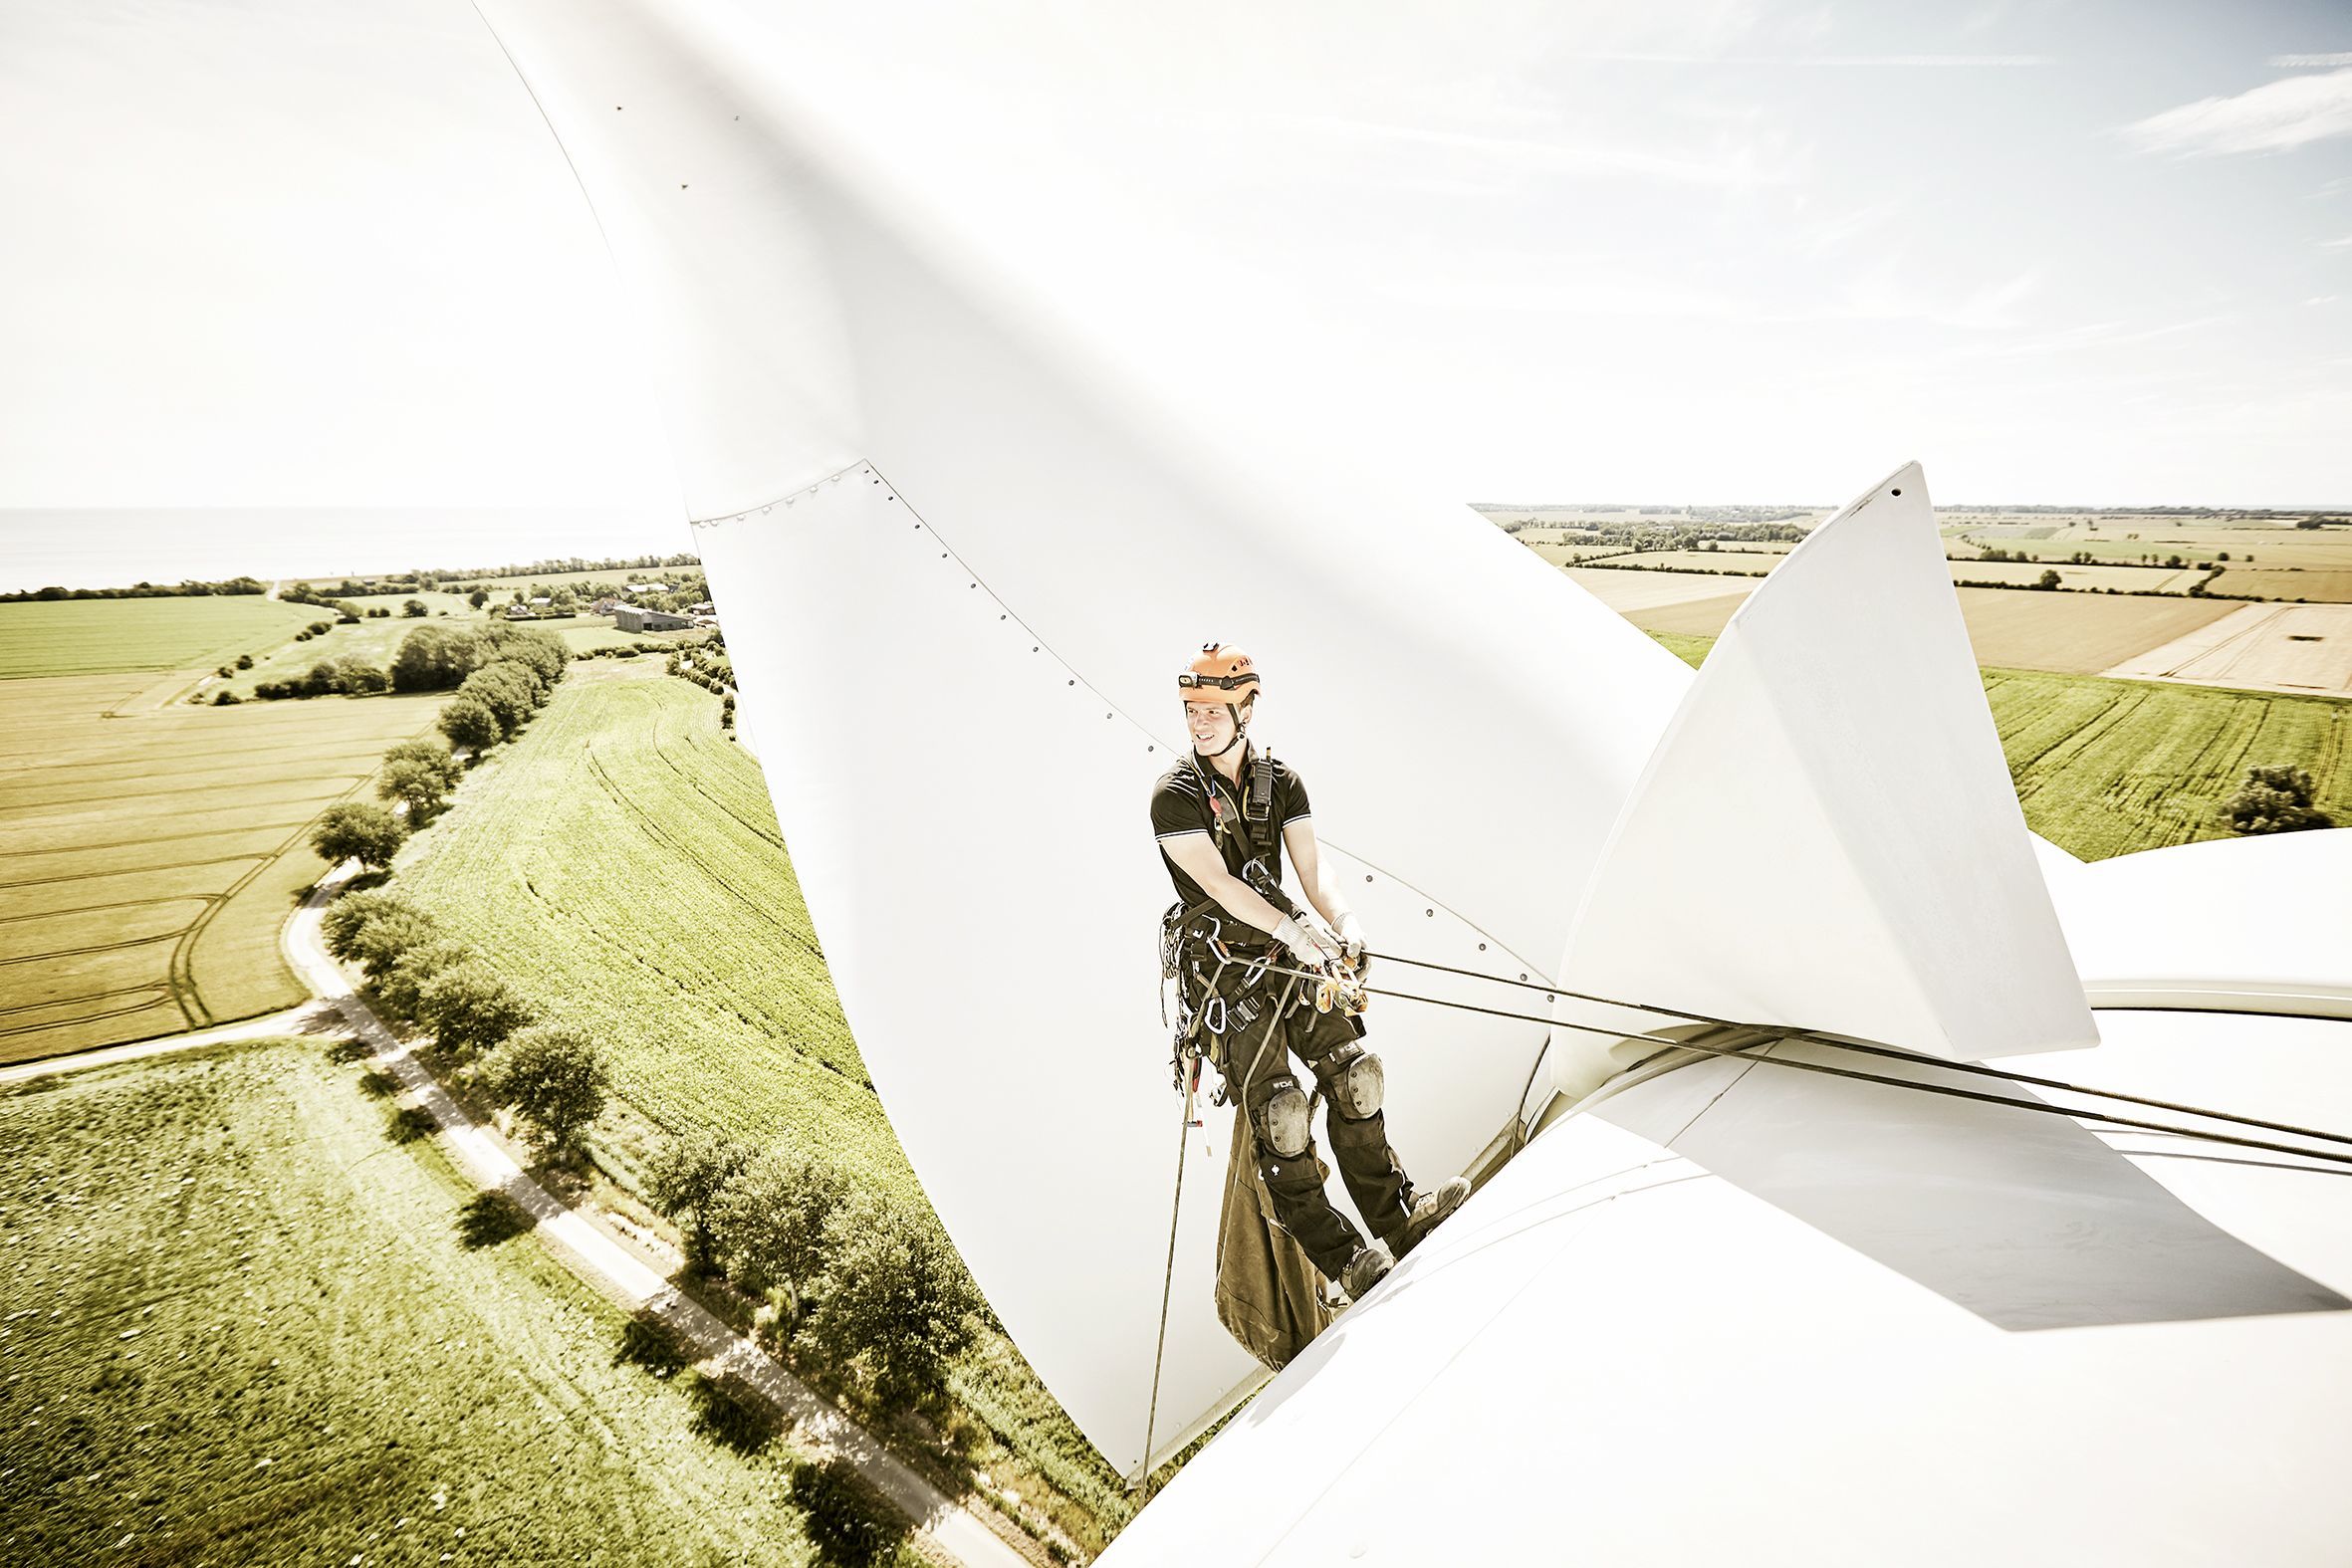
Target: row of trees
(348, 675)
(417, 780)
(863, 1283)
(1672, 536)
(422, 579)
(140, 590)
(550, 1073)
(436, 658)
(494, 701)
(714, 672)
(517, 672)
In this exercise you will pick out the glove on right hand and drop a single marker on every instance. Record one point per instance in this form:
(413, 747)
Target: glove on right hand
(1307, 944)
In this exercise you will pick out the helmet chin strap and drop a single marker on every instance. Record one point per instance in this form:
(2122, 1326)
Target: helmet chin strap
(1240, 733)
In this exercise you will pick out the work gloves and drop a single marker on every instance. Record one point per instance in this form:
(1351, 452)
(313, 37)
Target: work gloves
(1353, 946)
(1309, 946)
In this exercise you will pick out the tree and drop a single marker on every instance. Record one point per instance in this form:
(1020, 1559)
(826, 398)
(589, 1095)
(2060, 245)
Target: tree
(509, 688)
(2048, 579)
(349, 915)
(683, 1180)
(245, 661)
(894, 1306)
(425, 953)
(355, 830)
(470, 1009)
(542, 652)
(417, 785)
(434, 658)
(412, 609)
(478, 598)
(383, 941)
(768, 1221)
(2275, 800)
(553, 1077)
(468, 722)
(431, 766)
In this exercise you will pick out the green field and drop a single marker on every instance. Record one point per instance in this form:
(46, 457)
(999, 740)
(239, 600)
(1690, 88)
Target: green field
(621, 858)
(376, 641)
(149, 855)
(111, 636)
(247, 1327)
(434, 601)
(620, 862)
(2108, 768)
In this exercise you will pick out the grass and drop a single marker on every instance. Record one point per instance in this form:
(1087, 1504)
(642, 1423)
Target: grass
(247, 1327)
(148, 854)
(622, 859)
(2319, 584)
(620, 862)
(2109, 767)
(372, 640)
(377, 641)
(111, 636)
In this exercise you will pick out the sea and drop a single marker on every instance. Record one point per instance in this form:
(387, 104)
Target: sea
(115, 546)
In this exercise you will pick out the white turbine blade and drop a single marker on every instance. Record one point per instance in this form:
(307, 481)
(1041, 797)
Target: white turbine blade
(2234, 925)
(968, 817)
(1614, 1354)
(1828, 838)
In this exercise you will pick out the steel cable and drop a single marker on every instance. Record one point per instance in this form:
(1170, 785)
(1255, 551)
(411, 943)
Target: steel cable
(1894, 1053)
(1743, 1054)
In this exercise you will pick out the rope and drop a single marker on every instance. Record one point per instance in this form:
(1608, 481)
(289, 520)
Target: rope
(2043, 1107)
(1167, 1292)
(1973, 1069)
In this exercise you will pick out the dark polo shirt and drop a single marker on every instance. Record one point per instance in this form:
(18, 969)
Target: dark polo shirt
(1180, 805)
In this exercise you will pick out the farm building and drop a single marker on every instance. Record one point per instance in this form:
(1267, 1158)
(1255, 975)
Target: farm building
(629, 617)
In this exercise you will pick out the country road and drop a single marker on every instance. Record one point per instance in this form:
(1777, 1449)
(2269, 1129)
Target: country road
(624, 1273)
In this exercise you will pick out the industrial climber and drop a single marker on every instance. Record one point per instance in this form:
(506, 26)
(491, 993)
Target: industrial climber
(1222, 817)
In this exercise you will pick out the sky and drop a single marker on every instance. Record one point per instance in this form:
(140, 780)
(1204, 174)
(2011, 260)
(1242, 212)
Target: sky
(292, 261)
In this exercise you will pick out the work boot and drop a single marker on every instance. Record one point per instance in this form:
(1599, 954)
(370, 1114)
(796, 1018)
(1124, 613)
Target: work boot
(1431, 1208)
(1364, 1271)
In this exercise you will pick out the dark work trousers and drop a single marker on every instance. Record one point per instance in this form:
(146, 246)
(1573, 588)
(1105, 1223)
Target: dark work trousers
(1257, 1057)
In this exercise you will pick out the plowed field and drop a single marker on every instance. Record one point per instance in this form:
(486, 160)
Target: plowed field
(148, 854)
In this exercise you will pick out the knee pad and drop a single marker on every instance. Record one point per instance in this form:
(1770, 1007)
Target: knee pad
(1284, 1123)
(1357, 1088)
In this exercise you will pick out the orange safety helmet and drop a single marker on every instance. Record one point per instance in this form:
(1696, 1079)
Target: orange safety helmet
(1220, 672)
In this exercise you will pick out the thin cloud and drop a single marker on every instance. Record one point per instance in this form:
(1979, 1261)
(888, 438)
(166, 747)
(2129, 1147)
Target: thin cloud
(2337, 245)
(1630, 58)
(2267, 119)
(1743, 170)
(2310, 61)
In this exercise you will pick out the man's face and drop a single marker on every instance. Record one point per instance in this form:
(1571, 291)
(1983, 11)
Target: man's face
(1211, 725)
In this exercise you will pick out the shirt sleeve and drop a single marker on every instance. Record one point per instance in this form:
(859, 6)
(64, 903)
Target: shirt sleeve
(1289, 802)
(1178, 807)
